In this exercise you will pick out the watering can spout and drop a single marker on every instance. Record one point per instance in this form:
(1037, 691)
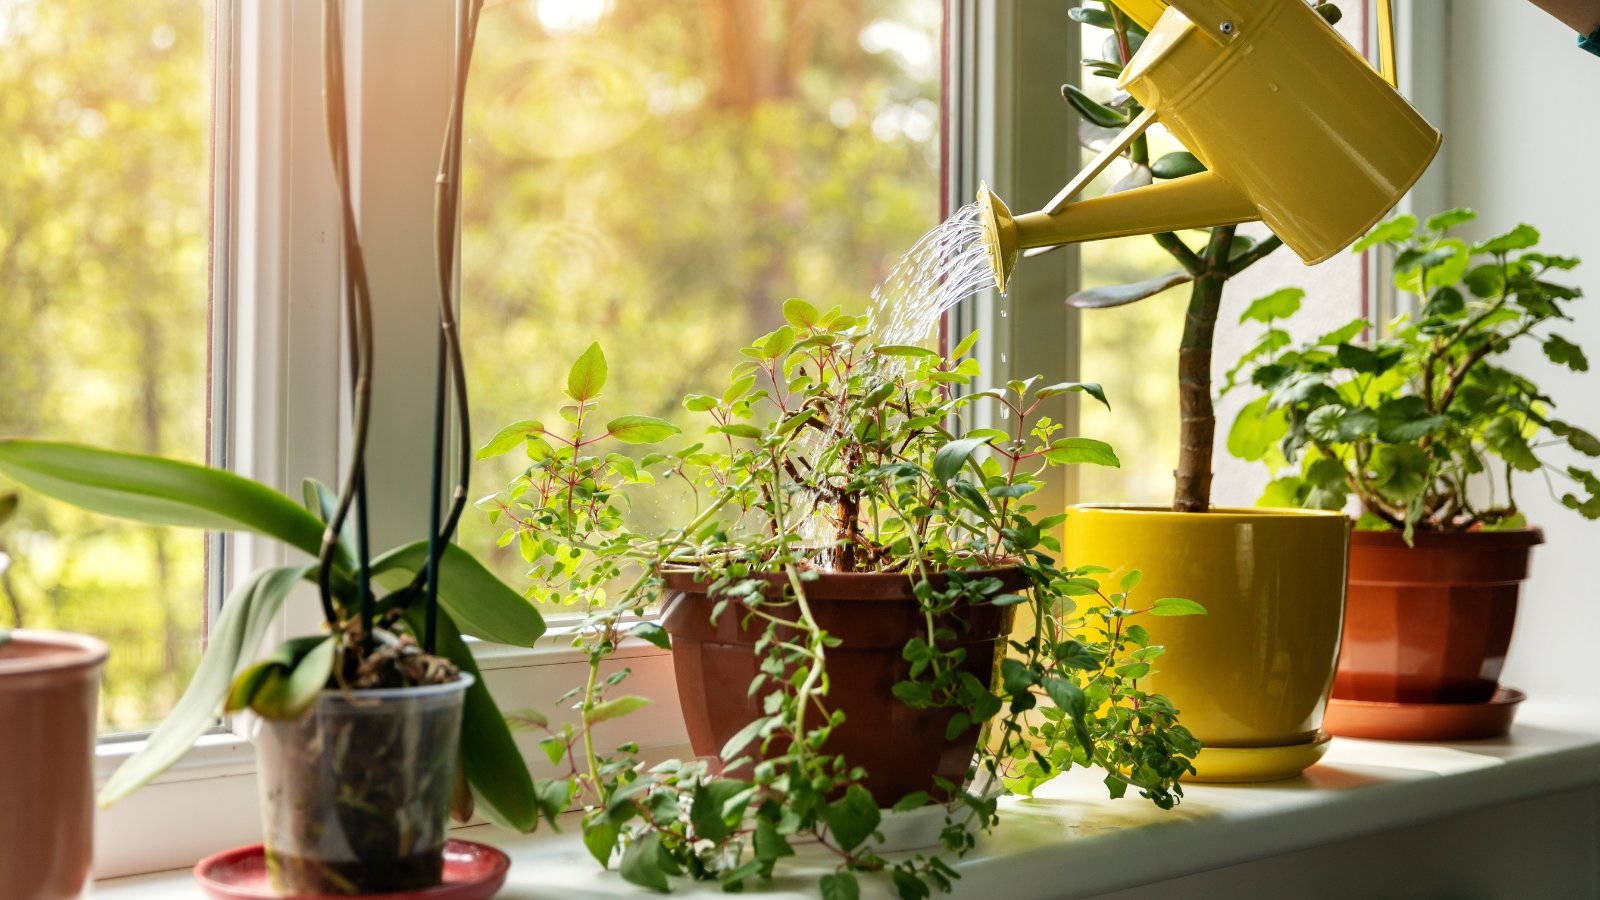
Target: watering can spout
(1194, 201)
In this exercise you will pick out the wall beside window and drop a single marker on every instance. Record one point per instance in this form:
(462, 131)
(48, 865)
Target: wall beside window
(1536, 167)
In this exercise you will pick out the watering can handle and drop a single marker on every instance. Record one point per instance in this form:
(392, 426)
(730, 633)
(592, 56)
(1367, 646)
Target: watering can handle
(1111, 151)
(1215, 19)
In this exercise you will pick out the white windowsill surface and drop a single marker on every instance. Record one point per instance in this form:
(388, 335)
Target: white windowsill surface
(1074, 842)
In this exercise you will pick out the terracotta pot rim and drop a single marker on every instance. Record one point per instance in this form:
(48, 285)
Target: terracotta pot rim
(65, 651)
(1462, 540)
(865, 587)
(1212, 515)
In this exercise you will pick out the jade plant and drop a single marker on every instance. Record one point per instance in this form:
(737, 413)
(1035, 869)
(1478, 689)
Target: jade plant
(828, 452)
(1223, 254)
(391, 619)
(1423, 426)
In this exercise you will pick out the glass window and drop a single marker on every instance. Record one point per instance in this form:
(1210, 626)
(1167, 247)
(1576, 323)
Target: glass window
(104, 293)
(661, 176)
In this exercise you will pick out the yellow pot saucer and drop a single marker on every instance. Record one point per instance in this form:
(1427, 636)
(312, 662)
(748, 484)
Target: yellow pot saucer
(1242, 765)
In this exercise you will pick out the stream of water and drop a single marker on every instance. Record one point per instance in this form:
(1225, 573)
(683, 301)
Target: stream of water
(944, 267)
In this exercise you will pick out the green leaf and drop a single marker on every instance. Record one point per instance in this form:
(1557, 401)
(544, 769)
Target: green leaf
(501, 786)
(588, 374)
(287, 681)
(1062, 387)
(1518, 238)
(799, 313)
(641, 863)
(1091, 109)
(840, 886)
(1504, 437)
(708, 811)
(247, 613)
(653, 633)
(1123, 294)
(158, 491)
(1177, 606)
(514, 435)
(768, 845)
(852, 818)
(1070, 451)
(1131, 580)
(906, 350)
(1334, 424)
(320, 500)
(1342, 334)
(1177, 165)
(1450, 218)
(947, 462)
(1284, 493)
(1280, 304)
(640, 429)
(1402, 470)
(1578, 439)
(1400, 228)
(1256, 429)
(699, 403)
(479, 603)
(740, 430)
(1405, 419)
(1563, 352)
(600, 839)
(1068, 697)
(612, 709)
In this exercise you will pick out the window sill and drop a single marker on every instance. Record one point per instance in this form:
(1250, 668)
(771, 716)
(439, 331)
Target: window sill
(1074, 842)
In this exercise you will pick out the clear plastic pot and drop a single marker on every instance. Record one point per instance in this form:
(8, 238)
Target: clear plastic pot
(355, 794)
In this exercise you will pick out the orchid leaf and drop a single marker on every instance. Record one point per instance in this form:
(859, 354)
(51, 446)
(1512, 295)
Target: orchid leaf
(246, 615)
(158, 491)
(479, 603)
(501, 786)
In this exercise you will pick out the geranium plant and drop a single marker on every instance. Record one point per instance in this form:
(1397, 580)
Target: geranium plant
(829, 453)
(1423, 426)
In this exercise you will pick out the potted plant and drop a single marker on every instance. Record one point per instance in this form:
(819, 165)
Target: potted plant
(1252, 678)
(361, 724)
(1429, 435)
(49, 700)
(837, 606)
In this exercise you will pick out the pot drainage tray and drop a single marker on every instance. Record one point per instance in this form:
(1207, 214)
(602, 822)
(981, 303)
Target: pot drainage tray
(472, 871)
(1381, 721)
(1245, 765)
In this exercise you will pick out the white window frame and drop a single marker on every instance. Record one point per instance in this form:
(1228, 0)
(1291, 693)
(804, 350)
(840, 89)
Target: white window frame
(277, 345)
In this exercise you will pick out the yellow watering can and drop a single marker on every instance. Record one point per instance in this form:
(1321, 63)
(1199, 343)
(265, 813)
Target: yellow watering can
(1295, 129)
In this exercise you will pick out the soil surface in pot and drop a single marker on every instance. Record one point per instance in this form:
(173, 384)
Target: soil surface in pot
(902, 749)
(1430, 623)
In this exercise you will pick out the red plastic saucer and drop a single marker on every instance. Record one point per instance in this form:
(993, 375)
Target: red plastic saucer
(1383, 721)
(472, 871)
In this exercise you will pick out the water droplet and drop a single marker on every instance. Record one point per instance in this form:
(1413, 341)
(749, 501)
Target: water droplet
(1002, 357)
(1004, 314)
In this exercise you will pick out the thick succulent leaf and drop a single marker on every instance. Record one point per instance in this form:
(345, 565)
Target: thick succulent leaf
(158, 491)
(246, 615)
(501, 785)
(1177, 165)
(1123, 294)
(480, 604)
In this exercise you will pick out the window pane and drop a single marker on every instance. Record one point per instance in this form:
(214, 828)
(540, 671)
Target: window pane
(103, 332)
(661, 176)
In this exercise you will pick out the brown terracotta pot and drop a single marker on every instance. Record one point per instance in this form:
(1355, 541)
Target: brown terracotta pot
(1430, 623)
(49, 698)
(873, 615)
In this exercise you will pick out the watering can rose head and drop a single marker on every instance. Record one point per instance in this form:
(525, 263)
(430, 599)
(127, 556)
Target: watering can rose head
(1286, 123)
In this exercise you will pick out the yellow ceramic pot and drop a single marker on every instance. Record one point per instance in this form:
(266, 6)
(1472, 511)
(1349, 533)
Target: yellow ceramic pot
(1257, 669)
